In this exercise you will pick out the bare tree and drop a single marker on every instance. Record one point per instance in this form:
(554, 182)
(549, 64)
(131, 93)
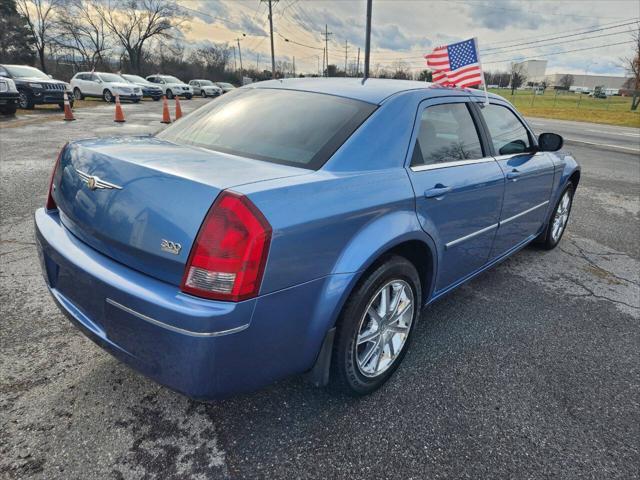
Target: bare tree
(566, 81)
(83, 31)
(134, 22)
(518, 76)
(40, 18)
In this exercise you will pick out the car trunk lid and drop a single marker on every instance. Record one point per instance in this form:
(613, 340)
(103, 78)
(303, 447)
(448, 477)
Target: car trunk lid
(141, 200)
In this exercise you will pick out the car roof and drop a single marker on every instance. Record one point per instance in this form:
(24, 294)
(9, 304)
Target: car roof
(372, 90)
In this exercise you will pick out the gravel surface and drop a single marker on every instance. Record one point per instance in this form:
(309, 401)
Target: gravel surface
(530, 371)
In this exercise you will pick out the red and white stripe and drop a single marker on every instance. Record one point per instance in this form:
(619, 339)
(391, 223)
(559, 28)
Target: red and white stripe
(467, 76)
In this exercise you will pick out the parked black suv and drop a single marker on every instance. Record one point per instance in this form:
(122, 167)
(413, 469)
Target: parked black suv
(36, 87)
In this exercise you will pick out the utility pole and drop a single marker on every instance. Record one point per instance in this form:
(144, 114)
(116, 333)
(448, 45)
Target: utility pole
(258, 62)
(240, 54)
(235, 65)
(324, 57)
(326, 34)
(346, 49)
(367, 44)
(318, 57)
(294, 67)
(358, 64)
(273, 55)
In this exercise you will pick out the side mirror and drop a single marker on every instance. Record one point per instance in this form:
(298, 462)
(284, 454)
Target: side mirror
(50, 76)
(550, 142)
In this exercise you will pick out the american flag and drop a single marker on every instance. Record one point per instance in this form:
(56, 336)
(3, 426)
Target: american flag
(457, 64)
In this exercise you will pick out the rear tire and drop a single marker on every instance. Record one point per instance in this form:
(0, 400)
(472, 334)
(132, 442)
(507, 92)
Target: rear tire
(372, 337)
(156, 99)
(550, 238)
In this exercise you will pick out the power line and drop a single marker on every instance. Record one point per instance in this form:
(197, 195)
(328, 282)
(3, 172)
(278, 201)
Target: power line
(560, 53)
(298, 43)
(551, 44)
(565, 36)
(490, 45)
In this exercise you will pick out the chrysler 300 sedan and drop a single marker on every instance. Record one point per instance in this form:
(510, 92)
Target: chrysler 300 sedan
(294, 226)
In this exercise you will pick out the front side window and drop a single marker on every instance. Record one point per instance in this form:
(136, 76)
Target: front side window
(447, 134)
(302, 129)
(508, 134)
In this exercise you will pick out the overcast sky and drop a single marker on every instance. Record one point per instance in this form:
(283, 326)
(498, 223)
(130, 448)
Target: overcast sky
(404, 30)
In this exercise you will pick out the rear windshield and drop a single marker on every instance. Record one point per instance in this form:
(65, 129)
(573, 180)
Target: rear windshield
(282, 126)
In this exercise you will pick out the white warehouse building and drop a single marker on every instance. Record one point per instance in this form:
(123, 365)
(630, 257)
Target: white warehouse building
(534, 70)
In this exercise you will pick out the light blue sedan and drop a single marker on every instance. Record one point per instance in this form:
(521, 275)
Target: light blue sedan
(294, 226)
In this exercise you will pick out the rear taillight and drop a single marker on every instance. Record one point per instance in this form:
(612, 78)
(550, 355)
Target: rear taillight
(51, 203)
(227, 259)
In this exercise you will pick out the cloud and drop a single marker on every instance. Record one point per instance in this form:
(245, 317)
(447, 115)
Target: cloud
(391, 37)
(500, 16)
(250, 27)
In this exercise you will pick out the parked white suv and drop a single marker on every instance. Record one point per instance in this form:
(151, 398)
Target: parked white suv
(105, 86)
(172, 86)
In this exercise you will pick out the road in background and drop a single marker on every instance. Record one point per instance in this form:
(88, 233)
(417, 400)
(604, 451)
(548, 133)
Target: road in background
(529, 371)
(591, 134)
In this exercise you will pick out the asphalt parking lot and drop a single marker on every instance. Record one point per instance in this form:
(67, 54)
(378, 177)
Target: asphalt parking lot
(532, 370)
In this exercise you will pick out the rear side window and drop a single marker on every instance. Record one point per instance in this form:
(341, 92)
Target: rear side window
(302, 129)
(447, 134)
(508, 134)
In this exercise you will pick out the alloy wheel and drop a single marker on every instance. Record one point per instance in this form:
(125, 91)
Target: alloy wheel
(24, 101)
(561, 216)
(384, 328)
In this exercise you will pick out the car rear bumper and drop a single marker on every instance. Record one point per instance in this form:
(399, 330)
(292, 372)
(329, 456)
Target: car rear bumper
(204, 349)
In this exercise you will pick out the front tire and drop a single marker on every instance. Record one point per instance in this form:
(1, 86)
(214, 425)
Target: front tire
(26, 100)
(188, 96)
(78, 94)
(107, 96)
(169, 94)
(557, 225)
(204, 95)
(375, 327)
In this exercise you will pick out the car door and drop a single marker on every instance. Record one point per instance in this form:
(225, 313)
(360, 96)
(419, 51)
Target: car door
(93, 85)
(458, 185)
(528, 177)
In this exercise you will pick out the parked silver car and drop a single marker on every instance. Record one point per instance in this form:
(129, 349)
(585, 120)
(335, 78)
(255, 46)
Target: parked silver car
(205, 88)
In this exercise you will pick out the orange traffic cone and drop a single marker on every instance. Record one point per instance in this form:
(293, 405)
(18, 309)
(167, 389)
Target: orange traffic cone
(119, 113)
(178, 109)
(166, 116)
(68, 114)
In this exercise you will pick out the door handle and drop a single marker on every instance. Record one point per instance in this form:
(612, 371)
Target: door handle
(437, 191)
(513, 175)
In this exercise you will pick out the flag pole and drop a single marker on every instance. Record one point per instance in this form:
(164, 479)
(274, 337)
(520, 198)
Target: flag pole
(484, 83)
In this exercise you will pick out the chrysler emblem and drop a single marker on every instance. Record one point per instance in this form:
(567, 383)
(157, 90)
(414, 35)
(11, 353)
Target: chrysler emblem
(94, 182)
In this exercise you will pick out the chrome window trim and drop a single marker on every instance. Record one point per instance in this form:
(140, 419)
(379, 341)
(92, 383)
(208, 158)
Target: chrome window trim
(456, 163)
(176, 329)
(457, 241)
(518, 215)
